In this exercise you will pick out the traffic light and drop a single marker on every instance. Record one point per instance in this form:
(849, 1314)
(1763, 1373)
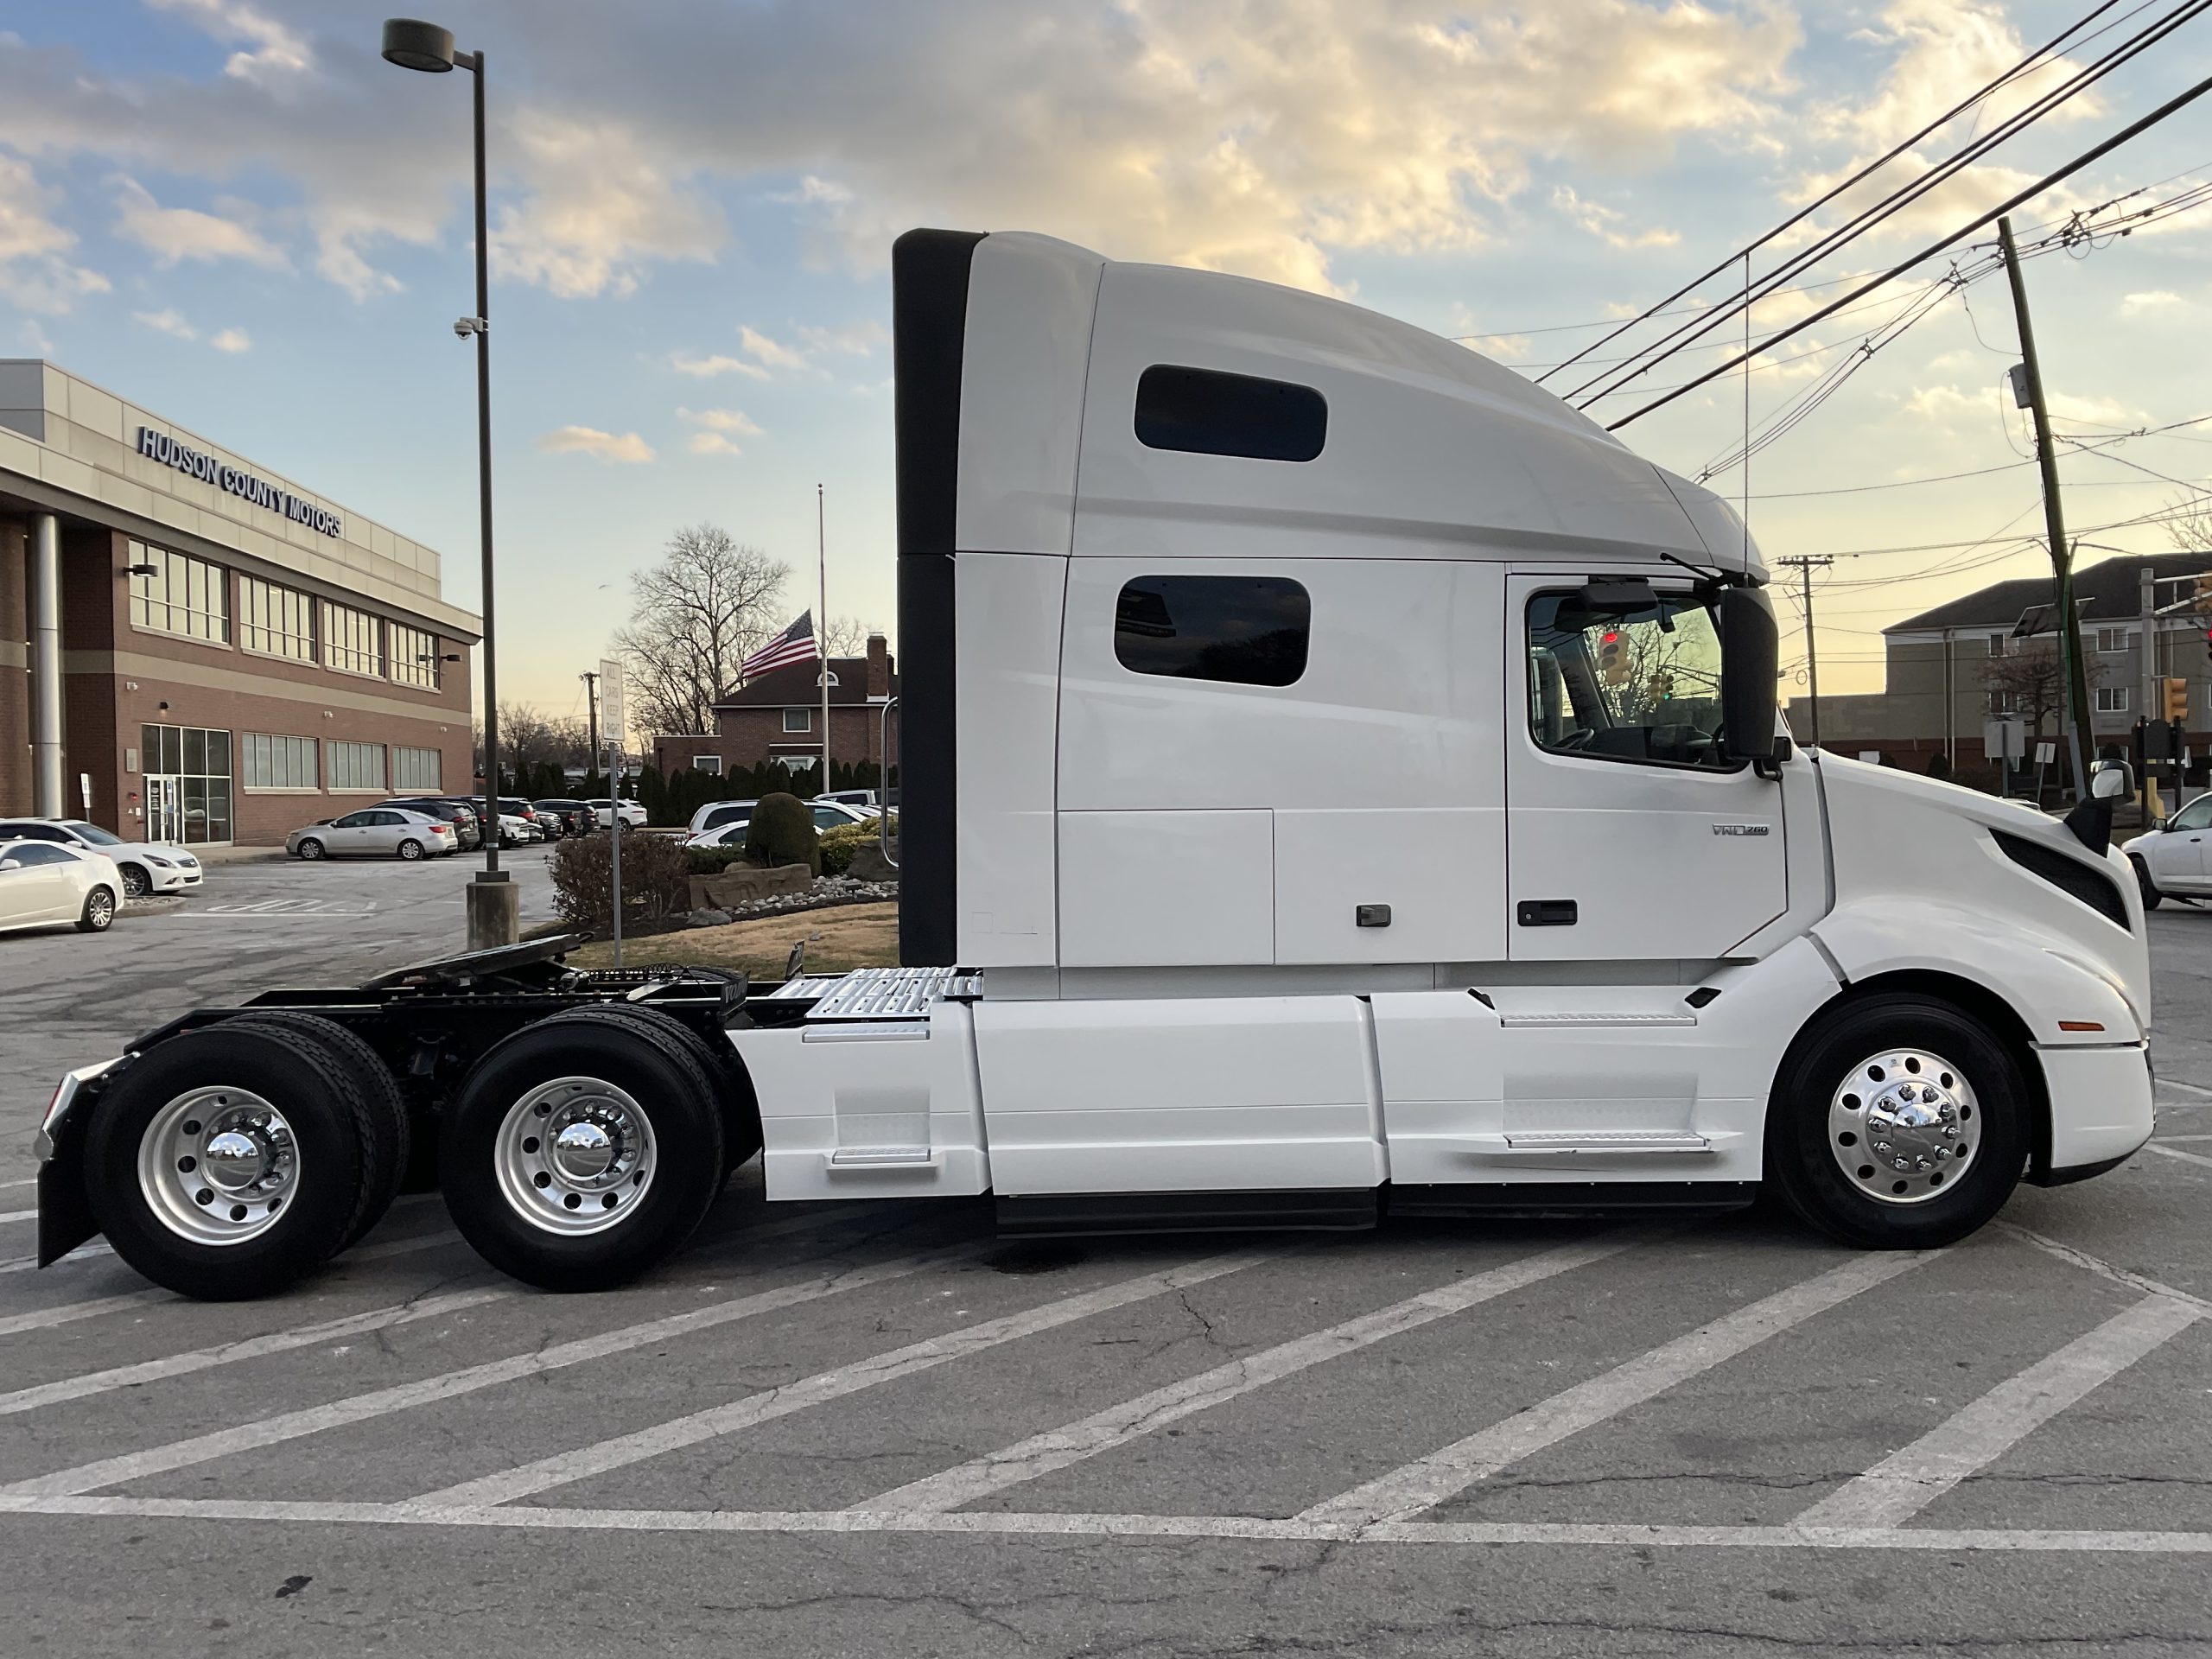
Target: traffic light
(2176, 691)
(1613, 658)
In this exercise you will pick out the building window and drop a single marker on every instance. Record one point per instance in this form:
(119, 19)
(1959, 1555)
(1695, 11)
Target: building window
(415, 657)
(278, 762)
(2000, 644)
(799, 719)
(183, 595)
(353, 639)
(187, 780)
(352, 765)
(1241, 630)
(710, 764)
(417, 769)
(2003, 702)
(2112, 639)
(277, 620)
(2112, 699)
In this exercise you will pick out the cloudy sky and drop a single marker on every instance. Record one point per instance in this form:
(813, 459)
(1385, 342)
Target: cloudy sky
(233, 212)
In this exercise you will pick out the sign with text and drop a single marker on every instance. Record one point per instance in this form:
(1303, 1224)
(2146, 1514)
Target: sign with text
(614, 722)
(194, 463)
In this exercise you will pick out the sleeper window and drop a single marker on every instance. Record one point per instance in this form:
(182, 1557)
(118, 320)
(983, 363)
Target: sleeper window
(1626, 682)
(1206, 412)
(1243, 630)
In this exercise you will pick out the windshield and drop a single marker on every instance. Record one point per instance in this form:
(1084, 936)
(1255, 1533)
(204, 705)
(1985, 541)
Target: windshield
(94, 833)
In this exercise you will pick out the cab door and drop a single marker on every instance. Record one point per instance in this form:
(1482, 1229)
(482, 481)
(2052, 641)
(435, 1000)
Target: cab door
(1630, 836)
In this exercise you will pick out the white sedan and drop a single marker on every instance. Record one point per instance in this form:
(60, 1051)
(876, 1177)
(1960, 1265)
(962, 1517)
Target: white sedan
(2176, 859)
(155, 867)
(828, 815)
(43, 882)
(633, 815)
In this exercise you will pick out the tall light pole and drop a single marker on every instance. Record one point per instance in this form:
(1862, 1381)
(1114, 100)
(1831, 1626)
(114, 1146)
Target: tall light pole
(494, 909)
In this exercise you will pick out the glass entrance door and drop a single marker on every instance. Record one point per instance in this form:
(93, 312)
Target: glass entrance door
(164, 808)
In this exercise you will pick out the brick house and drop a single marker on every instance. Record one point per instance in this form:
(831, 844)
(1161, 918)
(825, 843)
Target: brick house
(778, 717)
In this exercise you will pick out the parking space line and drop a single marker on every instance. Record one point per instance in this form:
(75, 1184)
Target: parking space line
(990, 1523)
(2148, 1146)
(1118, 1424)
(2176, 1082)
(1404, 1492)
(46, 1318)
(378, 1402)
(2081, 1258)
(20, 1215)
(1910, 1479)
(710, 1424)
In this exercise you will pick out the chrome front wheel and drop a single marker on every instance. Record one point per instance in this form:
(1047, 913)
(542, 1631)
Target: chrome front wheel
(216, 1164)
(1902, 1124)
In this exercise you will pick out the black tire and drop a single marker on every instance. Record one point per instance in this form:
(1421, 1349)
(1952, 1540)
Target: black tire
(137, 883)
(666, 1082)
(331, 1117)
(2152, 896)
(98, 913)
(740, 1109)
(388, 1137)
(410, 850)
(1843, 1203)
(310, 849)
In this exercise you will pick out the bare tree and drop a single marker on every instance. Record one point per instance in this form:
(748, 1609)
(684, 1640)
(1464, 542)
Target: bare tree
(525, 737)
(846, 636)
(2030, 682)
(694, 617)
(2190, 527)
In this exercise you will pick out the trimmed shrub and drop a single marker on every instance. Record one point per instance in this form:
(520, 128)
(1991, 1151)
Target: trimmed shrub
(782, 832)
(656, 880)
(839, 845)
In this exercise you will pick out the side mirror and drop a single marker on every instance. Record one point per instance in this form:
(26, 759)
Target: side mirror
(7, 864)
(1750, 652)
(2111, 780)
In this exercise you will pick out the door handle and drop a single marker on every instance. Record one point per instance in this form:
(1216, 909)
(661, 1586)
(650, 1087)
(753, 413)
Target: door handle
(1547, 912)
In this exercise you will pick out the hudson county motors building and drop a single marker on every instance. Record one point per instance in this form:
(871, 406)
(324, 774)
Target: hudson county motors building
(194, 648)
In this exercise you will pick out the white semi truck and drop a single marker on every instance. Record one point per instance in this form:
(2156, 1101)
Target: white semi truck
(1340, 779)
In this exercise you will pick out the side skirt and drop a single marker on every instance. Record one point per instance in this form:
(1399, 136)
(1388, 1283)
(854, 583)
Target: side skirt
(1354, 1209)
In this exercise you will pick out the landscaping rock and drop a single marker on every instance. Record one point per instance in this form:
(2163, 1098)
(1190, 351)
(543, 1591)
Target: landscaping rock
(708, 917)
(741, 884)
(870, 865)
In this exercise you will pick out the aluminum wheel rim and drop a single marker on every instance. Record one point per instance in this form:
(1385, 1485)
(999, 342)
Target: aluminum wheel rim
(217, 1165)
(575, 1155)
(1904, 1126)
(99, 909)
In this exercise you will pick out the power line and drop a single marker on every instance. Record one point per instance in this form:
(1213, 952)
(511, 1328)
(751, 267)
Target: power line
(2084, 159)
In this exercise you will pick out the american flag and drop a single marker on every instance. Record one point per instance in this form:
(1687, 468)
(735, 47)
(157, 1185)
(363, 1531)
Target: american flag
(794, 645)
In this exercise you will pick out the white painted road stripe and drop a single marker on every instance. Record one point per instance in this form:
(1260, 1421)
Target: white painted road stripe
(1118, 1424)
(2148, 1146)
(2176, 1082)
(46, 1318)
(1910, 1480)
(1235, 1528)
(564, 1467)
(1426, 1482)
(2098, 1266)
(291, 1425)
(10, 1186)
(20, 1215)
(230, 1353)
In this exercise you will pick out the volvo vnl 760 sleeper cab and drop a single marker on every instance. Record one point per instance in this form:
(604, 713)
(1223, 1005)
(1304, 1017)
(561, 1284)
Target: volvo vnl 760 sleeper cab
(1339, 779)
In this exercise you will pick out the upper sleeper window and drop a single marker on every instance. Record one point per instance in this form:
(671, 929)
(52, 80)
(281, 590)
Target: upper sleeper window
(1245, 630)
(1209, 413)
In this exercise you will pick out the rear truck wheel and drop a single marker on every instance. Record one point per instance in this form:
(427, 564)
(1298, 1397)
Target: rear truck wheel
(2152, 896)
(310, 849)
(582, 1150)
(387, 1136)
(1900, 1122)
(98, 915)
(410, 850)
(228, 1162)
(137, 883)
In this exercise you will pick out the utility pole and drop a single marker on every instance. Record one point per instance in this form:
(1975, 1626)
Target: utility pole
(821, 630)
(1805, 568)
(591, 702)
(2147, 648)
(2061, 551)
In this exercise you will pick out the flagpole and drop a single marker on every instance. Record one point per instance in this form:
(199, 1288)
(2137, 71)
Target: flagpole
(822, 632)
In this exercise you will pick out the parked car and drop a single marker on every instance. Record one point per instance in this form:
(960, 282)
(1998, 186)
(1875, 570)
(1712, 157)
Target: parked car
(465, 816)
(43, 882)
(730, 832)
(863, 798)
(548, 825)
(633, 815)
(146, 866)
(2175, 859)
(714, 814)
(375, 832)
(518, 832)
(574, 817)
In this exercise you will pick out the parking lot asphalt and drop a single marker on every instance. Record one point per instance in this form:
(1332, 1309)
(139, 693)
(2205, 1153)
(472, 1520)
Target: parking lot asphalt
(876, 1430)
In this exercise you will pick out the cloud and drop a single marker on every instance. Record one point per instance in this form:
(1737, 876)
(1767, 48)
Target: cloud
(706, 368)
(723, 420)
(2158, 302)
(232, 339)
(168, 322)
(767, 353)
(1604, 222)
(1947, 405)
(712, 443)
(276, 52)
(628, 448)
(854, 339)
(172, 234)
(34, 274)
(602, 206)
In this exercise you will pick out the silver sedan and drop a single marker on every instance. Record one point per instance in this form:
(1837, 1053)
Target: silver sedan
(374, 832)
